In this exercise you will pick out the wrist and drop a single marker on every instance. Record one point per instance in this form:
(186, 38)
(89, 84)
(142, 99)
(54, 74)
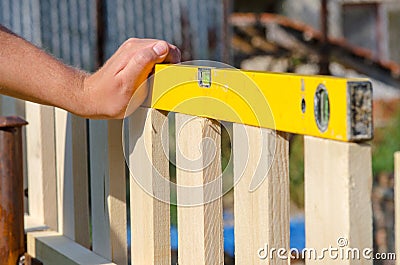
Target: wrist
(79, 103)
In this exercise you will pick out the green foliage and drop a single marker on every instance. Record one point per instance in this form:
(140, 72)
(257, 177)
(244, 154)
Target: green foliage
(296, 170)
(386, 142)
(174, 215)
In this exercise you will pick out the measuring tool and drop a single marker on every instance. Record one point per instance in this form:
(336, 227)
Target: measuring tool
(321, 106)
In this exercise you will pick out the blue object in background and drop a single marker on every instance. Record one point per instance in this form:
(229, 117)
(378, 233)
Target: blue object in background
(229, 240)
(174, 238)
(297, 235)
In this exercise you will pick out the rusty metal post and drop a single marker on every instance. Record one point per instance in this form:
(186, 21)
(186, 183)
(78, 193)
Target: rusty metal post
(101, 28)
(324, 52)
(11, 191)
(226, 31)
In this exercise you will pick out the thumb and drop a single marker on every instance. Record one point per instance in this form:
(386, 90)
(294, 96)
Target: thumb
(151, 55)
(143, 61)
(161, 49)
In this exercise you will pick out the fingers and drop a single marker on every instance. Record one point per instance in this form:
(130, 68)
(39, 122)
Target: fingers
(131, 48)
(150, 55)
(174, 55)
(131, 45)
(124, 75)
(144, 58)
(169, 52)
(142, 62)
(161, 48)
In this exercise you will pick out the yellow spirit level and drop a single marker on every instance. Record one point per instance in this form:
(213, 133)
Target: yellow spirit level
(321, 106)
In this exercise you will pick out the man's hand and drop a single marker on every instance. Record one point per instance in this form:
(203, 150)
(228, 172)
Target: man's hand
(109, 90)
(28, 73)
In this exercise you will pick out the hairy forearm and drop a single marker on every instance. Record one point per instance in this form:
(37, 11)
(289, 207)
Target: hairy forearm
(28, 73)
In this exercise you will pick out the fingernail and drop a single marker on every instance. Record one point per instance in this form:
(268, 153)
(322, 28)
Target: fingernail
(160, 48)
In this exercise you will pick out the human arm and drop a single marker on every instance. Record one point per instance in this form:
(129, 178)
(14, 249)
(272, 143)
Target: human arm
(28, 73)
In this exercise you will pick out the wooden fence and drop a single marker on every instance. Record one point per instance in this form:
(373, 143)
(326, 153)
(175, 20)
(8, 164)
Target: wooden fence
(78, 193)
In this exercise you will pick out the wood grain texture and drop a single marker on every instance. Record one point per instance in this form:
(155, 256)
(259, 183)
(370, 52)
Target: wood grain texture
(65, 192)
(108, 191)
(41, 164)
(397, 204)
(32, 224)
(338, 182)
(100, 188)
(149, 187)
(200, 226)
(117, 199)
(72, 177)
(80, 180)
(53, 248)
(261, 157)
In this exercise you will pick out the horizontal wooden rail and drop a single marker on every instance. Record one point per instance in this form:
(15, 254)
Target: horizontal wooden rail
(53, 248)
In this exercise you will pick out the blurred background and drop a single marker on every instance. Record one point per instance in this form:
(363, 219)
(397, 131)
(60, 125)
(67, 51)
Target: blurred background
(353, 38)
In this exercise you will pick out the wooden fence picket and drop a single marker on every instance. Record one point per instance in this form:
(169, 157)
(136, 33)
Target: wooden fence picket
(99, 187)
(41, 164)
(200, 227)
(108, 191)
(338, 183)
(149, 194)
(261, 160)
(117, 197)
(72, 177)
(397, 204)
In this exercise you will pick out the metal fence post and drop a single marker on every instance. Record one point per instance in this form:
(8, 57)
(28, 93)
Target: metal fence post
(11, 190)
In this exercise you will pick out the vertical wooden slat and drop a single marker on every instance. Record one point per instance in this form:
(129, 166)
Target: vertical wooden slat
(1, 97)
(72, 177)
(261, 195)
(34, 24)
(15, 17)
(149, 187)
(338, 181)
(80, 180)
(64, 174)
(108, 191)
(199, 190)
(397, 204)
(117, 199)
(41, 164)
(6, 106)
(99, 187)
